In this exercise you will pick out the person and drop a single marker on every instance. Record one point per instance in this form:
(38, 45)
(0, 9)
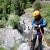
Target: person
(40, 22)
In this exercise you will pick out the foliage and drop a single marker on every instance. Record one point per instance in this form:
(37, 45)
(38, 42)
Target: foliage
(28, 5)
(2, 48)
(46, 13)
(37, 5)
(3, 15)
(19, 7)
(32, 1)
(2, 22)
(13, 20)
(13, 6)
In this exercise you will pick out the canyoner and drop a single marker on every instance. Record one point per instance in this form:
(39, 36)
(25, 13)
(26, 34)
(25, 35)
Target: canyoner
(38, 23)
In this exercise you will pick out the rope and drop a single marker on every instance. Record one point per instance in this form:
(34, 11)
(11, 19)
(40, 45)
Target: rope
(43, 39)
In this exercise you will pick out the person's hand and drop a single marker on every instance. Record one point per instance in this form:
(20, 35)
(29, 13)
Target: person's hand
(39, 26)
(36, 25)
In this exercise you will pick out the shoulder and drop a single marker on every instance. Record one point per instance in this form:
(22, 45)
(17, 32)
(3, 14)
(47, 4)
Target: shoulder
(42, 19)
(33, 19)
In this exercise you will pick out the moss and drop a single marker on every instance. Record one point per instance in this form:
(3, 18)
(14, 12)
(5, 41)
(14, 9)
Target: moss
(2, 48)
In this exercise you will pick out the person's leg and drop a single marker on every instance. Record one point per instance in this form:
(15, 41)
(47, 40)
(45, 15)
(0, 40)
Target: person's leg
(40, 43)
(33, 43)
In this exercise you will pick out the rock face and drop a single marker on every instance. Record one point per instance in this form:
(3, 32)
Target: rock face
(9, 36)
(27, 33)
(24, 46)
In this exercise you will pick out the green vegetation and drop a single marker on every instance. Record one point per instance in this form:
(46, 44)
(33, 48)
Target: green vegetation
(28, 5)
(47, 35)
(37, 5)
(14, 6)
(10, 7)
(11, 10)
(13, 20)
(2, 48)
(46, 13)
(2, 22)
(47, 38)
(17, 7)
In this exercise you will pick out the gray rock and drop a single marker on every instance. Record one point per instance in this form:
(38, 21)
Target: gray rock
(24, 46)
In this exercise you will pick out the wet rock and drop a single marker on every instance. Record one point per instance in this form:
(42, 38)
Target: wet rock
(7, 37)
(24, 46)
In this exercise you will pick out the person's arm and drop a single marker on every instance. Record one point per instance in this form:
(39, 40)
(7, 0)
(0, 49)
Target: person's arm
(44, 23)
(33, 23)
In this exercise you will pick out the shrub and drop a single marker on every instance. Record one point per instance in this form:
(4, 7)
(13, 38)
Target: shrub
(2, 22)
(46, 13)
(28, 5)
(2, 48)
(19, 7)
(37, 5)
(13, 20)
(4, 15)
